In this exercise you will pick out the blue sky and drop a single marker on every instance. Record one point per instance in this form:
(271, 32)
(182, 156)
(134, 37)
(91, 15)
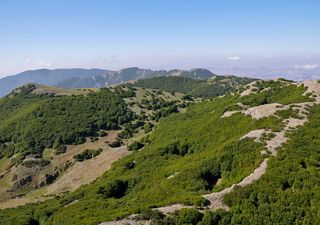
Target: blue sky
(225, 36)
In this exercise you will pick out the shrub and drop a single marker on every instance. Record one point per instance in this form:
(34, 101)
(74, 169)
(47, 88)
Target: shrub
(87, 154)
(60, 149)
(189, 216)
(154, 215)
(125, 134)
(176, 149)
(135, 146)
(32, 163)
(148, 127)
(117, 143)
(103, 133)
(212, 218)
(129, 165)
(114, 189)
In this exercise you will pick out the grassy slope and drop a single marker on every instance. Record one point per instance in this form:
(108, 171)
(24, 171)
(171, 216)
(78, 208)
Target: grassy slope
(214, 150)
(289, 192)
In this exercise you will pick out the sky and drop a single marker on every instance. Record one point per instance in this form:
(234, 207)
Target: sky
(265, 38)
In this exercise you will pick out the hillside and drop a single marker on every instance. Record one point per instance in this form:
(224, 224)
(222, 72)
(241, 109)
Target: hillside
(45, 77)
(43, 129)
(215, 86)
(90, 78)
(245, 158)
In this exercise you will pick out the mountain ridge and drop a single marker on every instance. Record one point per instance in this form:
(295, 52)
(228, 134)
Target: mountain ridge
(89, 78)
(253, 149)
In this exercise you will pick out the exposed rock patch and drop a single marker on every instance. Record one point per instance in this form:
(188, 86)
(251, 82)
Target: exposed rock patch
(228, 113)
(173, 175)
(254, 134)
(172, 208)
(249, 89)
(261, 111)
(127, 222)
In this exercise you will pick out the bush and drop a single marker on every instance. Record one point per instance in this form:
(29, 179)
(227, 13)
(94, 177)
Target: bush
(87, 154)
(60, 149)
(148, 127)
(189, 216)
(115, 189)
(213, 218)
(135, 146)
(103, 133)
(116, 144)
(176, 149)
(154, 215)
(125, 134)
(32, 163)
(129, 165)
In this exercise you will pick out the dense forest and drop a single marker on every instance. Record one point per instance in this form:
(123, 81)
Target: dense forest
(216, 86)
(29, 122)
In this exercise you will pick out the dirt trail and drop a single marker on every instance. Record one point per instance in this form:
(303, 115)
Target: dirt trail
(127, 222)
(216, 199)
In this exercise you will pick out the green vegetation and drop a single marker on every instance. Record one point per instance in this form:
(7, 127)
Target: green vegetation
(287, 113)
(200, 147)
(4, 163)
(276, 92)
(87, 154)
(197, 144)
(114, 189)
(189, 216)
(217, 86)
(29, 123)
(117, 143)
(37, 162)
(135, 146)
(124, 91)
(148, 127)
(289, 191)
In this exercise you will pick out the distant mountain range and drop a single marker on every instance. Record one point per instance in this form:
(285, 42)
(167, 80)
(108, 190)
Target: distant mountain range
(91, 78)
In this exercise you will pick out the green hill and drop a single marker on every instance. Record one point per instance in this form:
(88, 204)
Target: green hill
(212, 146)
(32, 122)
(215, 86)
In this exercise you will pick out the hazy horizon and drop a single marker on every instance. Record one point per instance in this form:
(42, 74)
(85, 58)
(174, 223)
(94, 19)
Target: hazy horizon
(262, 39)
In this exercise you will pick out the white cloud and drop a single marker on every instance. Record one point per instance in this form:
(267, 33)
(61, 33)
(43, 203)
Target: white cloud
(234, 58)
(307, 66)
(27, 61)
(268, 56)
(32, 63)
(44, 64)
